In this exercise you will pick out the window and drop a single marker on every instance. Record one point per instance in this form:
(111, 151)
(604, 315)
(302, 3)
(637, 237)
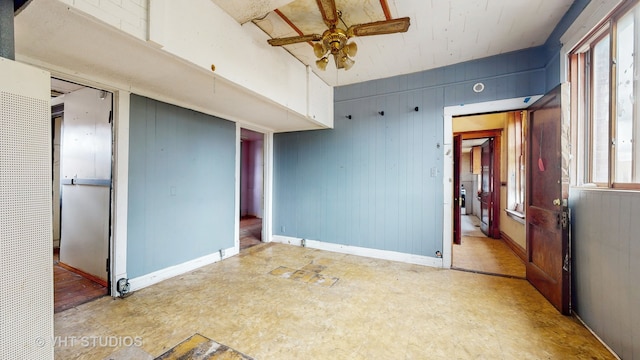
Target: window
(605, 76)
(515, 161)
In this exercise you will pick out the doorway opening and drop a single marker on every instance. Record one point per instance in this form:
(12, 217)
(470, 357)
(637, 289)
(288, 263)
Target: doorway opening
(81, 122)
(251, 188)
(478, 245)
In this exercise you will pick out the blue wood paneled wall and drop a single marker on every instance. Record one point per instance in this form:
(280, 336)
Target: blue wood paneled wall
(377, 181)
(181, 185)
(605, 250)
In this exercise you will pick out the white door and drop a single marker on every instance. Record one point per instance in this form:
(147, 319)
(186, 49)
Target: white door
(86, 181)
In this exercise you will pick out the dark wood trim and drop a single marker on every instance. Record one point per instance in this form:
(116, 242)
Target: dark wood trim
(385, 9)
(479, 134)
(514, 246)
(494, 229)
(625, 186)
(88, 276)
(457, 154)
(290, 23)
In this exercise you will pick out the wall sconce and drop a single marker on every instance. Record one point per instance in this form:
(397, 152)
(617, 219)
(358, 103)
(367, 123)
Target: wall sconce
(416, 108)
(381, 113)
(348, 117)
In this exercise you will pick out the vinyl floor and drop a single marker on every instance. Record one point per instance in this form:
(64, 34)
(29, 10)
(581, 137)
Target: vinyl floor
(276, 301)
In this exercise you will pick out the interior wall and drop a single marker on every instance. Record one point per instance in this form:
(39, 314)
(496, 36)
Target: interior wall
(467, 180)
(476, 201)
(376, 181)
(181, 202)
(57, 134)
(26, 278)
(244, 178)
(252, 178)
(605, 253)
(256, 181)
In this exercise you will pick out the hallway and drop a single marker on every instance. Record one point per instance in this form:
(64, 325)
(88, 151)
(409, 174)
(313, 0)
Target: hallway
(481, 254)
(278, 301)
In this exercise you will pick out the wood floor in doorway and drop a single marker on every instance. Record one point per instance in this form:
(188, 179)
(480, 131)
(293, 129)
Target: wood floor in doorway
(71, 289)
(250, 231)
(481, 254)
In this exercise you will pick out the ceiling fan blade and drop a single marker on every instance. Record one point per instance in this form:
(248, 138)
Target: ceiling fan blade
(294, 39)
(380, 27)
(328, 11)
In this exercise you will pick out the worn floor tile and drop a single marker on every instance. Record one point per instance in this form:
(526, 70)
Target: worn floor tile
(376, 310)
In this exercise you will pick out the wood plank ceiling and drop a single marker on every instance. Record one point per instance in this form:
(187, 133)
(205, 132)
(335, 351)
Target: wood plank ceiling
(441, 32)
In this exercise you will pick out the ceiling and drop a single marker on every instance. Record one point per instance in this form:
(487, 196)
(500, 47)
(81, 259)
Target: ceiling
(51, 35)
(467, 145)
(441, 32)
(54, 36)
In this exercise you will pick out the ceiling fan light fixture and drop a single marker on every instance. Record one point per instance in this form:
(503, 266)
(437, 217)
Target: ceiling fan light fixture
(351, 49)
(334, 40)
(347, 62)
(322, 63)
(319, 50)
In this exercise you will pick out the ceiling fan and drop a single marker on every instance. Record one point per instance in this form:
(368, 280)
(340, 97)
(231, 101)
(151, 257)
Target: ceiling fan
(334, 40)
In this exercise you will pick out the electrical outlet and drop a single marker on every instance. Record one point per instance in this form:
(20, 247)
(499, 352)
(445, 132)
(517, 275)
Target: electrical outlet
(123, 287)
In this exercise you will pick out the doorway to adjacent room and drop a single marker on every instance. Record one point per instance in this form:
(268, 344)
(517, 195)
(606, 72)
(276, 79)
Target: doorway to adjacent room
(251, 188)
(478, 192)
(81, 122)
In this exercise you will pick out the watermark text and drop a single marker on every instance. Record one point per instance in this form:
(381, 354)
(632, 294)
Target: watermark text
(89, 341)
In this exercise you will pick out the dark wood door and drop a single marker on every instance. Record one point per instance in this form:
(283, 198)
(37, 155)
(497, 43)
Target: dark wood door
(486, 181)
(546, 213)
(457, 153)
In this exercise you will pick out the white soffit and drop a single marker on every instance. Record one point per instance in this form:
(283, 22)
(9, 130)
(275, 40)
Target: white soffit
(54, 36)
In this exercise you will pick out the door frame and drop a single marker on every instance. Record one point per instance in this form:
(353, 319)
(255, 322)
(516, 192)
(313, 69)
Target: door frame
(265, 160)
(109, 282)
(457, 157)
(496, 134)
(447, 152)
(267, 181)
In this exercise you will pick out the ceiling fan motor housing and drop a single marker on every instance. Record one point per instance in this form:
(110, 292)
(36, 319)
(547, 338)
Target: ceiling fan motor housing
(334, 40)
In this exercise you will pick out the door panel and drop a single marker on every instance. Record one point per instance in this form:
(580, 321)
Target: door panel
(86, 181)
(457, 153)
(547, 228)
(485, 185)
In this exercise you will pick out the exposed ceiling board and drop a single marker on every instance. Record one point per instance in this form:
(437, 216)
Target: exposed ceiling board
(49, 34)
(441, 32)
(467, 145)
(60, 87)
(246, 10)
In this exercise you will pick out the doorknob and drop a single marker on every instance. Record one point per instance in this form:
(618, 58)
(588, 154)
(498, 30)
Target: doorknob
(557, 202)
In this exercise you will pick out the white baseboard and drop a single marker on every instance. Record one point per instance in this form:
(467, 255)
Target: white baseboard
(171, 271)
(596, 336)
(361, 251)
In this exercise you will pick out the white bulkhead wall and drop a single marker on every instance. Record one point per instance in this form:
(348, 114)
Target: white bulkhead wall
(201, 33)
